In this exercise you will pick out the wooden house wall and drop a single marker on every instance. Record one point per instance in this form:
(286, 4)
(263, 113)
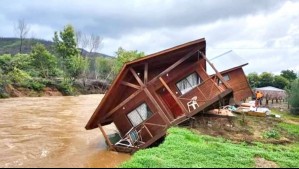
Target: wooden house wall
(239, 84)
(121, 120)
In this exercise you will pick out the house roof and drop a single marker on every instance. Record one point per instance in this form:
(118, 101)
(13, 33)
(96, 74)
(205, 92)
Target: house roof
(270, 88)
(153, 59)
(226, 62)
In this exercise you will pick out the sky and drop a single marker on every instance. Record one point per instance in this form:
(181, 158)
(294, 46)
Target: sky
(263, 33)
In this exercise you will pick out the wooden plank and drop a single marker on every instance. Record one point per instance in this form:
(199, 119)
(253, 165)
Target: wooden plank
(106, 137)
(156, 137)
(136, 77)
(130, 85)
(174, 96)
(155, 103)
(122, 103)
(158, 125)
(217, 73)
(148, 131)
(175, 64)
(146, 73)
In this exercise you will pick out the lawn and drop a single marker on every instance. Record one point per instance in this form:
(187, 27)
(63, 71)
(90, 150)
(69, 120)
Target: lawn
(184, 148)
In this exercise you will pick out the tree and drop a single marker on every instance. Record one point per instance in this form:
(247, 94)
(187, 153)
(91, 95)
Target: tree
(77, 66)
(65, 44)
(294, 96)
(266, 79)
(95, 42)
(43, 61)
(66, 48)
(289, 74)
(253, 79)
(22, 29)
(82, 41)
(280, 82)
(124, 56)
(104, 67)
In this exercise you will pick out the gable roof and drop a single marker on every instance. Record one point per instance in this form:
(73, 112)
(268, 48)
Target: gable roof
(155, 58)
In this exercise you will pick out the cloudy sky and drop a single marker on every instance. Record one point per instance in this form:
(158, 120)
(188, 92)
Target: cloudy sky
(264, 33)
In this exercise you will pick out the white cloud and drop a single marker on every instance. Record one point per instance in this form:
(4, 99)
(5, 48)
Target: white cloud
(266, 33)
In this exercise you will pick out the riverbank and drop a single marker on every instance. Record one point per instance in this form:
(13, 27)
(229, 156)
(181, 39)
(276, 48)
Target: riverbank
(54, 89)
(197, 147)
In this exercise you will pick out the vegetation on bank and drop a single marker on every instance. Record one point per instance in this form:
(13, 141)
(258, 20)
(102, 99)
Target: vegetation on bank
(183, 148)
(59, 68)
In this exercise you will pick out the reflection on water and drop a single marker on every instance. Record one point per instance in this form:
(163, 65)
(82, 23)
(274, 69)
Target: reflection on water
(49, 132)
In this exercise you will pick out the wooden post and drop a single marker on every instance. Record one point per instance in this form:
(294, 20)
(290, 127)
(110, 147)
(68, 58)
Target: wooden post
(146, 73)
(160, 111)
(106, 137)
(174, 96)
(217, 73)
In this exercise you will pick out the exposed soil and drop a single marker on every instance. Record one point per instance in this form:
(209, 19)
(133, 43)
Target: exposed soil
(250, 129)
(262, 163)
(24, 92)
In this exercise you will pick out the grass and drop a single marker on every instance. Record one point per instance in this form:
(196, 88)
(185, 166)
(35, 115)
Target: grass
(183, 148)
(290, 128)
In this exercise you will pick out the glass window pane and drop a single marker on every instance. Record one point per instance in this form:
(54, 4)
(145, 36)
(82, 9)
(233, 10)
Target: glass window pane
(140, 114)
(135, 118)
(189, 83)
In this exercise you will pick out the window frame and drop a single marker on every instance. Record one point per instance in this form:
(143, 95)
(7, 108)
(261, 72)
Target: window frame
(139, 115)
(224, 75)
(186, 78)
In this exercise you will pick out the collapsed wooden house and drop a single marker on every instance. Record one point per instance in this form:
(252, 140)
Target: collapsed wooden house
(161, 90)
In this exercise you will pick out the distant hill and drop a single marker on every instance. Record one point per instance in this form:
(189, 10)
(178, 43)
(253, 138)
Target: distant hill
(12, 46)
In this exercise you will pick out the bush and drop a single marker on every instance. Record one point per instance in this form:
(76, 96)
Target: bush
(3, 93)
(66, 88)
(271, 134)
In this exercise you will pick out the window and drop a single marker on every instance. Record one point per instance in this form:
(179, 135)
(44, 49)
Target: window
(225, 77)
(139, 115)
(188, 83)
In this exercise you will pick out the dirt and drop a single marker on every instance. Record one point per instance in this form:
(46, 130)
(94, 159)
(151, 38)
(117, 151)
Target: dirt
(24, 92)
(262, 163)
(249, 130)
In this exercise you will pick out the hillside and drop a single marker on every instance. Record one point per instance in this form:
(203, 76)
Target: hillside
(12, 46)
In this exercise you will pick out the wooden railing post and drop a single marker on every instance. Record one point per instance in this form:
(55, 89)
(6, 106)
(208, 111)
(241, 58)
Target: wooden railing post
(106, 137)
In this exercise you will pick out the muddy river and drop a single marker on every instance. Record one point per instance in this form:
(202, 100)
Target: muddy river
(49, 132)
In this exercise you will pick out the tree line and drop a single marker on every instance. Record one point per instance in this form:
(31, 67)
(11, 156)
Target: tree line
(63, 67)
(287, 80)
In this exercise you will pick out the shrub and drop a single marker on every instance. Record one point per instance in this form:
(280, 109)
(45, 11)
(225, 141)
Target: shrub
(271, 134)
(66, 88)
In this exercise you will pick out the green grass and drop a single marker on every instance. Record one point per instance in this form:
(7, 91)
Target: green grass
(285, 115)
(183, 148)
(290, 128)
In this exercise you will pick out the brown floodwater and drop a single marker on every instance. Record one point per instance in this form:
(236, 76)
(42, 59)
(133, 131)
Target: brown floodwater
(49, 132)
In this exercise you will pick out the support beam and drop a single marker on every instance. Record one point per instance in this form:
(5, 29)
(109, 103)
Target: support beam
(175, 64)
(137, 77)
(106, 138)
(160, 111)
(146, 73)
(148, 131)
(217, 73)
(130, 85)
(174, 96)
(122, 103)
